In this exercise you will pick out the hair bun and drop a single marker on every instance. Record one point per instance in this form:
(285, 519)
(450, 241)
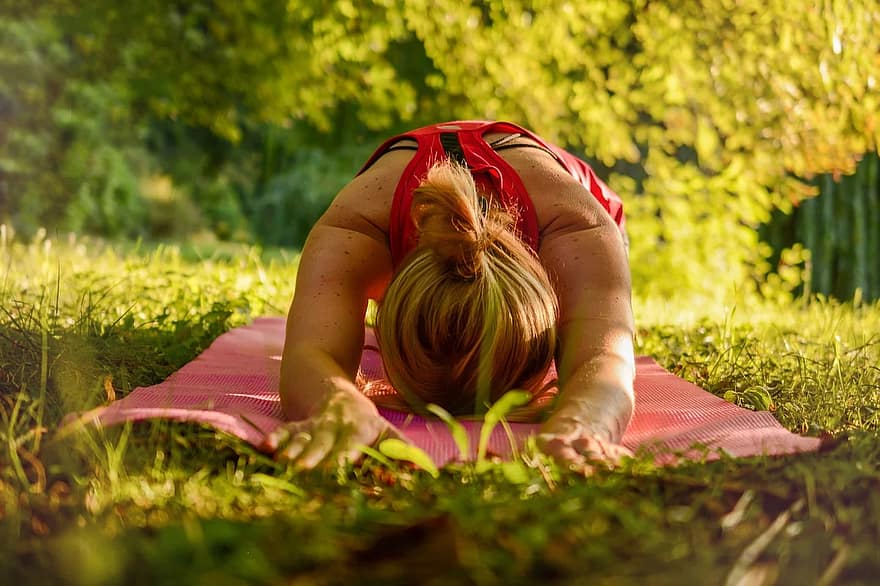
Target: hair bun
(471, 312)
(457, 223)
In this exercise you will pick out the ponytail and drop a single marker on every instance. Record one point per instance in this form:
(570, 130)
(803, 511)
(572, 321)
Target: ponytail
(471, 312)
(456, 223)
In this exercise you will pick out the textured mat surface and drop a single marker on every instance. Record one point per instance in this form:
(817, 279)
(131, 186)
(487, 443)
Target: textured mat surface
(232, 386)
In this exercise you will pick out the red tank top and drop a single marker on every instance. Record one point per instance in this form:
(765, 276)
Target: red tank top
(491, 172)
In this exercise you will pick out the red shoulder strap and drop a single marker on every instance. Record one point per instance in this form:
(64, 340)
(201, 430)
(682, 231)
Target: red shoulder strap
(401, 230)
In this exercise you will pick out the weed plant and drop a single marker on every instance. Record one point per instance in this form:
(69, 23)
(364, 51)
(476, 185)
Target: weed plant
(83, 323)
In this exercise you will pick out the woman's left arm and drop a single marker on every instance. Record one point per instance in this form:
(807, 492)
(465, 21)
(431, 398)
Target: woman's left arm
(587, 259)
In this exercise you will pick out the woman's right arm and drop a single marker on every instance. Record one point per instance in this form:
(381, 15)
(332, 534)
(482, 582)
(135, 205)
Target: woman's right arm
(340, 269)
(344, 263)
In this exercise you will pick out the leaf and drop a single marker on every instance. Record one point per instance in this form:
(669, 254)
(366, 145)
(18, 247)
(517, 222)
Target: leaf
(707, 143)
(498, 411)
(758, 398)
(400, 450)
(515, 472)
(375, 454)
(456, 429)
(267, 481)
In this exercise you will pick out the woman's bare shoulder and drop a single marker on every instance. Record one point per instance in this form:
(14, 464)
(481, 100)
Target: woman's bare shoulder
(364, 204)
(561, 202)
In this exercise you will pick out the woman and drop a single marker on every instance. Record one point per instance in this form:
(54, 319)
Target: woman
(489, 251)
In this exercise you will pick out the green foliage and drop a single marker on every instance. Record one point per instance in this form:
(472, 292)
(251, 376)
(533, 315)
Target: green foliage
(108, 200)
(495, 415)
(26, 135)
(456, 430)
(702, 114)
(71, 155)
(102, 310)
(287, 206)
(814, 366)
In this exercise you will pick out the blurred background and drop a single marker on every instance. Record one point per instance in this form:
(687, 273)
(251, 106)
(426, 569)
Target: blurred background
(742, 134)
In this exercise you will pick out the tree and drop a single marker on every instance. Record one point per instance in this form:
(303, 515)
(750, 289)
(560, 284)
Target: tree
(703, 113)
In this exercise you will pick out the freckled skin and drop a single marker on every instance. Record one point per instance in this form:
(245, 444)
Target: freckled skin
(347, 254)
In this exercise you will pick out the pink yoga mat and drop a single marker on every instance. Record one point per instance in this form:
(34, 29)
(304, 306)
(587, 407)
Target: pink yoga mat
(233, 386)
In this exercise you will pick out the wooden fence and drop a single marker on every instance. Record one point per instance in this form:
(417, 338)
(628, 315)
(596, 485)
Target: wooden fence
(841, 228)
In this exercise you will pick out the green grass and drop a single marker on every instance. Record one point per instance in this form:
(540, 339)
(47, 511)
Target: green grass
(171, 503)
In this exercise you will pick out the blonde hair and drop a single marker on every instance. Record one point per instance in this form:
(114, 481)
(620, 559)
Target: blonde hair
(471, 312)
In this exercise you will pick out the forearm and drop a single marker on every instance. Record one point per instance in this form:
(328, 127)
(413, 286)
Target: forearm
(310, 378)
(595, 358)
(339, 271)
(596, 368)
(598, 396)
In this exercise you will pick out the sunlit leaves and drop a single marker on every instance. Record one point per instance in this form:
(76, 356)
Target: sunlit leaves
(674, 95)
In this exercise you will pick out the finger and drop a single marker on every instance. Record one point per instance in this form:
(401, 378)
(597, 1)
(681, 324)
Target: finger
(345, 447)
(293, 449)
(352, 452)
(274, 439)
(626, 452)
(600, 450)
(590, 448)
(551, 442)
(279, 440)
(583, 467)
(570, 458)
(561, 451)
(349, 456)
(318, 449)
(619, 452)
(616, 452)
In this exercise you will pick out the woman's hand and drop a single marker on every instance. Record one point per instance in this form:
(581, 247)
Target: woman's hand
(579, 444)
(333, 435)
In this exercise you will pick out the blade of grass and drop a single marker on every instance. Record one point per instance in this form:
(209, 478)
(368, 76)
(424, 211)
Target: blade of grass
(376, 455)
(11, 443)
(497, 412)
(459, 435)
(44, 369)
